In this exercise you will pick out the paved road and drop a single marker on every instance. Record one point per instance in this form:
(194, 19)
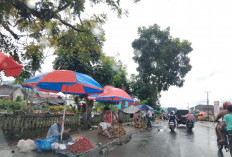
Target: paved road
(160, 142)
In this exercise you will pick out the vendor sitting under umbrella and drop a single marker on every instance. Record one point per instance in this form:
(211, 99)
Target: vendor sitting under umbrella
(55, 131)
(107, 119)
(137, 117)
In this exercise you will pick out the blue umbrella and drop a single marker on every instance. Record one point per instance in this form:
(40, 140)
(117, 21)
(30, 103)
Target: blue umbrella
(145, 107)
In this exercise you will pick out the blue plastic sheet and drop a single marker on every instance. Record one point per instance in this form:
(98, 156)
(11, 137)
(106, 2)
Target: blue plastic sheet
(43, 145)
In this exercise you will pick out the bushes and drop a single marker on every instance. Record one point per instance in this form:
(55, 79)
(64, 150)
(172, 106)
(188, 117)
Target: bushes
(11, 106)
(53, 109)
(99, 107)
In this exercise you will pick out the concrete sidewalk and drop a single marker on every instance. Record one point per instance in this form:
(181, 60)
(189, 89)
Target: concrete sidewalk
(103, 143)
(93, 136)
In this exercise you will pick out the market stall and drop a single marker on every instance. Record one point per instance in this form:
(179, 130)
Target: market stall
(112, 94)
(73, 147)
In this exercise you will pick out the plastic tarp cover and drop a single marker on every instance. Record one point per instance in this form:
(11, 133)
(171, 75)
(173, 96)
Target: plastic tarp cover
(131, 109)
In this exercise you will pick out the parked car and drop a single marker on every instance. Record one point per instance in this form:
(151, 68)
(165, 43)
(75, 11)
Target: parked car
(181, 116)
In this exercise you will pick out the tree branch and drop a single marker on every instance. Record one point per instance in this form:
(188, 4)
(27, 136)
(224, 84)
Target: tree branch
(38, 14)
(61, 8)
(9, 30)
(69, 25)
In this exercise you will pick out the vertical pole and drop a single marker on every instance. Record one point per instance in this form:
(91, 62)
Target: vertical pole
(1, 80)
(208, 104)
(31, 100)
(119, 131)
(62, 128)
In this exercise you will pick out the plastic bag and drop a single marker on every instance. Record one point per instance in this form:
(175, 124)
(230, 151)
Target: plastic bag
(55, 145)
(62, 146)
(52, 140)
(43, 145)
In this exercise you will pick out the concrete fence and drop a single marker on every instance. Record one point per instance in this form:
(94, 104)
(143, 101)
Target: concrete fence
(34, 125)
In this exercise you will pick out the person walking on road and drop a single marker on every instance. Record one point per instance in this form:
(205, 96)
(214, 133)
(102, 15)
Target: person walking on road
(149, 116)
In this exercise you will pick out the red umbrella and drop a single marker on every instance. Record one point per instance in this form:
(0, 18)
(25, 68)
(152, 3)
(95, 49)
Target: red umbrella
(114, 94)
(9, 65)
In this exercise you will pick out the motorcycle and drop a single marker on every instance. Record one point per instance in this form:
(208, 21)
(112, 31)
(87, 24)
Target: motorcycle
(189, 124)
(227, 145)
(172, 125)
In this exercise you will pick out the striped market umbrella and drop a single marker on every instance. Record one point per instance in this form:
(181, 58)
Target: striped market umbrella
(114, 94)
(65, 81)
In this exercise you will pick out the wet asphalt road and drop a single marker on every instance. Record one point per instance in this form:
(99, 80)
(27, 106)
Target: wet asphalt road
(161, 142)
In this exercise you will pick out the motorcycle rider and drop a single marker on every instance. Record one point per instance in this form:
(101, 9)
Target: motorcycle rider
(190, 116)
(172, 117)
(226, 123)
(219, 126)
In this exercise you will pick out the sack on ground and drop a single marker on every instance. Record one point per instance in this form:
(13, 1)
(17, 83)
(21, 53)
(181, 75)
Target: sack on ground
(26, 145)
(56, 146)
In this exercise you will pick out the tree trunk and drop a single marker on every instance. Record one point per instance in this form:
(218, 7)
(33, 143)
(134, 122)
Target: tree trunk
(89, 106)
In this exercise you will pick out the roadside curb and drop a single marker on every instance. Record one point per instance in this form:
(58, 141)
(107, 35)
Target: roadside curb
(206, 125)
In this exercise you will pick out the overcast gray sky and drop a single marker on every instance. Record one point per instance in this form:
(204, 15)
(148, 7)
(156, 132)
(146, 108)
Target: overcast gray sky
(205, 23)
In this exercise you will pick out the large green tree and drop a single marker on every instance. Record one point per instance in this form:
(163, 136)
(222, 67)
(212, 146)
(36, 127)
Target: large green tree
(77, 51)
(28, 27)
(105, 70)
(111, 72)
(163, 62)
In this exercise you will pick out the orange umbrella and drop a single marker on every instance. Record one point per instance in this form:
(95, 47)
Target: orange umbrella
(202, 113)
(9, 65)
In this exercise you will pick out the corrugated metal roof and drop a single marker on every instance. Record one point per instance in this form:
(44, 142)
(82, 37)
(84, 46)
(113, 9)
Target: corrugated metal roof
(7, 90)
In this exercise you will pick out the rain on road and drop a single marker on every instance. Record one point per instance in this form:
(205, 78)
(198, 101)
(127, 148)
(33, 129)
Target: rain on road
(161, 142)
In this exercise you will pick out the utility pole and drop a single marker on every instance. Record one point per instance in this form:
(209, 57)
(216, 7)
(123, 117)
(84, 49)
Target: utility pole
(207, 92)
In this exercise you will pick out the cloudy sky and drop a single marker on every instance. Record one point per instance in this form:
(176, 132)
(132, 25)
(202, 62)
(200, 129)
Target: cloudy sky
(205, 23)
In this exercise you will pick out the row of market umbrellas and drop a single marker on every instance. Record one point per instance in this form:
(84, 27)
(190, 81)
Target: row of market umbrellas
(70, 82)
(65, 81)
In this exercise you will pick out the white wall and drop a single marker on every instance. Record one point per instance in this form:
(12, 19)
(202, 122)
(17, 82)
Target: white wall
(71, 102)
(16, 93)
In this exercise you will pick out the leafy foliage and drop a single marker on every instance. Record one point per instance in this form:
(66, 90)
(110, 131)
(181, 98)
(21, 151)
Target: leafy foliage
(163, 62)
(11, 106)
(99, 107)
(111, 72)
(28, 27)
